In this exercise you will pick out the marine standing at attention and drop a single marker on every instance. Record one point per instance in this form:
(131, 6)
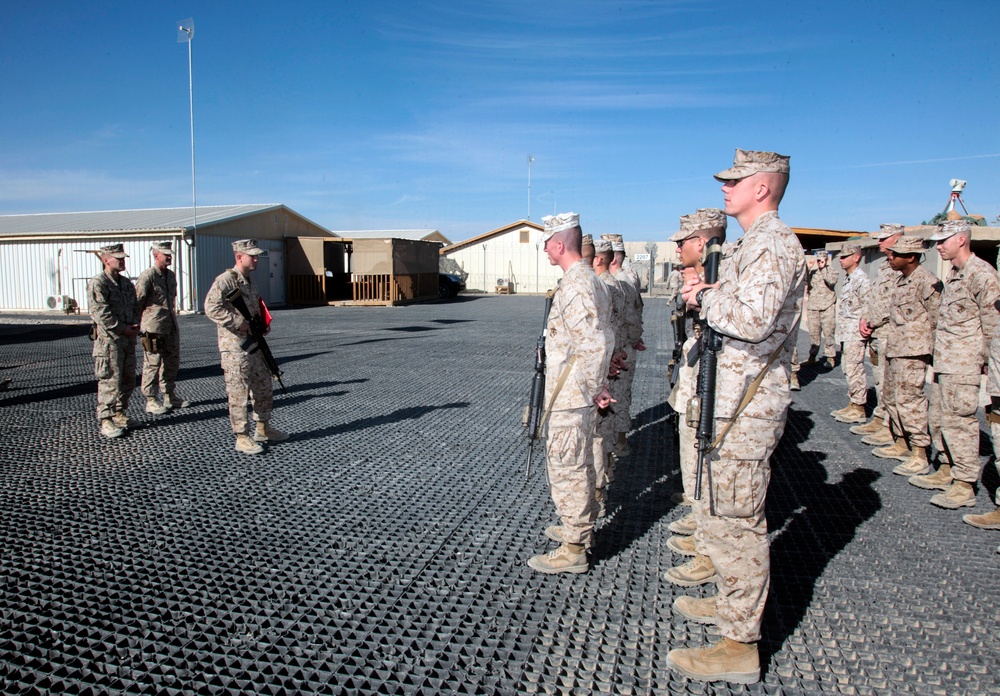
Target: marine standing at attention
(113, 309)
(821, 310)
(853, 296)
(579, 343)
(156, 292)
(756, 307)
(247, 376)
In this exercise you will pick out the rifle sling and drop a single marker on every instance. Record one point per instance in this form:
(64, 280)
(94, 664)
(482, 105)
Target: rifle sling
(748, 395)
(555, 391)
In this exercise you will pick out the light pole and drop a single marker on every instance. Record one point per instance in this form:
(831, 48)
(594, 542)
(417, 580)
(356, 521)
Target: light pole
(530, 160)
(185, 34)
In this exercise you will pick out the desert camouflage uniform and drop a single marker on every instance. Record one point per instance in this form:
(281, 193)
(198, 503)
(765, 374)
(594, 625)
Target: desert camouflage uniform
(113, 309)
(912, 316)
(578, 327)
(966, 322)
(246, 375)
(993, 389)
(604, 432)
(822, 311)
(621, 388)
(853, 295)
(633, 276)
(675, 281)
(876, 313)
(156, 293)
(757, 308)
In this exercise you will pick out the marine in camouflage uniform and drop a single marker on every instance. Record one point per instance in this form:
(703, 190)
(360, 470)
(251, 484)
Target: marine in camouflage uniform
(757, 308)
(113, 309)
(673, 285)
(696, 230)
(622, 387)
(966, 322)
(247, 375)
(156, 293)
(850, 304)
(912, 317)
(875, 318)
(821, 311)
(579, 343)
(991, 520)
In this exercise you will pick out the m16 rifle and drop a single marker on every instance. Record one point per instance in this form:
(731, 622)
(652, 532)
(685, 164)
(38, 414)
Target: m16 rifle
(258, 327)
(677, 321)
(535, 405)
(701, 409)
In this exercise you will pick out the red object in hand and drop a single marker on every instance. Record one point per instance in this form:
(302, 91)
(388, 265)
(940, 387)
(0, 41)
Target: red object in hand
(265, 315)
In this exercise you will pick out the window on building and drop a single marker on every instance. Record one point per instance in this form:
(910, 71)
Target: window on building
(525, 234)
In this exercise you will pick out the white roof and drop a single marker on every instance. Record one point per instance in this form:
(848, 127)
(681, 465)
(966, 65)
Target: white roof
(415, 235)
(175, 219)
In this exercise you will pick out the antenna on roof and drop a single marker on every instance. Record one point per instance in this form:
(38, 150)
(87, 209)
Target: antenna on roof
(185, 34)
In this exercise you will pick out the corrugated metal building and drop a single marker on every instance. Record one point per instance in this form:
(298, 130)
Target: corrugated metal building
(44, 259)
(512, 254)
(412, 235)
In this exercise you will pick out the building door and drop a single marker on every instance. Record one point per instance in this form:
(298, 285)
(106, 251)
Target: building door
(276, 264)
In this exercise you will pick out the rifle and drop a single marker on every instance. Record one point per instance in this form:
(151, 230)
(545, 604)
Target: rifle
(701, 409)
(680, 336)
(255, 341)
(537, 388)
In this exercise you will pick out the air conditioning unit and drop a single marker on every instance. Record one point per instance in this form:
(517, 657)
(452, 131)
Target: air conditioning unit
(63, 303)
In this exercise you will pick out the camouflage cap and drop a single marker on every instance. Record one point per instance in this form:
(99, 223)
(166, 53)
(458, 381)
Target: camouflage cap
(749, 162)
(162, 248)
(247, 246)
(704, 219)
(908, 244)
(116, 250)
(887, 230)
(849, 248)
(588, 240)
(617, 241)
(950, 228)
(557, 223)
(602, 246)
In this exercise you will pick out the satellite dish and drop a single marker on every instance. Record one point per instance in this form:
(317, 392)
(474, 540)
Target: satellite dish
(185, 30)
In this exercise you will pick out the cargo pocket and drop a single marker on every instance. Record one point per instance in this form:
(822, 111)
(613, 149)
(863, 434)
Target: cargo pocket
(739, 487)
(102, 367)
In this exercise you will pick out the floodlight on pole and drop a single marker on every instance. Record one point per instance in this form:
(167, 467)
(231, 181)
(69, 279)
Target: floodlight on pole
(185, 34)
(530, 160)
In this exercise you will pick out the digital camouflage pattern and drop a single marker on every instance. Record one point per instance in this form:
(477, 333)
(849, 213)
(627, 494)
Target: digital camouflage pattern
(247, 376)
(622, 387)
(756, 307)
(156, 294)
(967, 321)
(993, 390)
(821, 315)
(604, 429)
(913, 314)
(876, 311)
(113, 309)
(905, 399)
(850, 306)
(579, 325)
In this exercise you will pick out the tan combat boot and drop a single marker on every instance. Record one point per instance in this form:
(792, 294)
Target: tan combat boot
(555, 533)
(727, 660)
(959, 494)
(855, 413)
(109, 429)
(840, 411)
(247, 446)
(568, 558)
(870, 428)
(171, 400)
(698, 610)
(153, 406)
(265, 433)
(940, 479)
(685, 526)
(915, 465)
(879, 438)
(897, 450)
(989, 520)
(683, 545)
(121, 420)
(698, 571)
(793, 382)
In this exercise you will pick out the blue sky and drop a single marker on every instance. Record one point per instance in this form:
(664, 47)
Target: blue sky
(422, 114)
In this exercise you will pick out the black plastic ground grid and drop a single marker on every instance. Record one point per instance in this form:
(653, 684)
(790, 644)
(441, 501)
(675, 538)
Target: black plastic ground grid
(382, 549)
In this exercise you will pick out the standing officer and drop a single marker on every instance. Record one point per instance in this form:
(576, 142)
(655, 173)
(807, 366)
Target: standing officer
(156, 291)
(991, 520)
(756, 308)
(876, 317)
(696, 230)
(822, 311)
(247, 376)
(912, 317)
(965, 325)
(622, 387)
(115, 314)
(578, 346)
(853, 296)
